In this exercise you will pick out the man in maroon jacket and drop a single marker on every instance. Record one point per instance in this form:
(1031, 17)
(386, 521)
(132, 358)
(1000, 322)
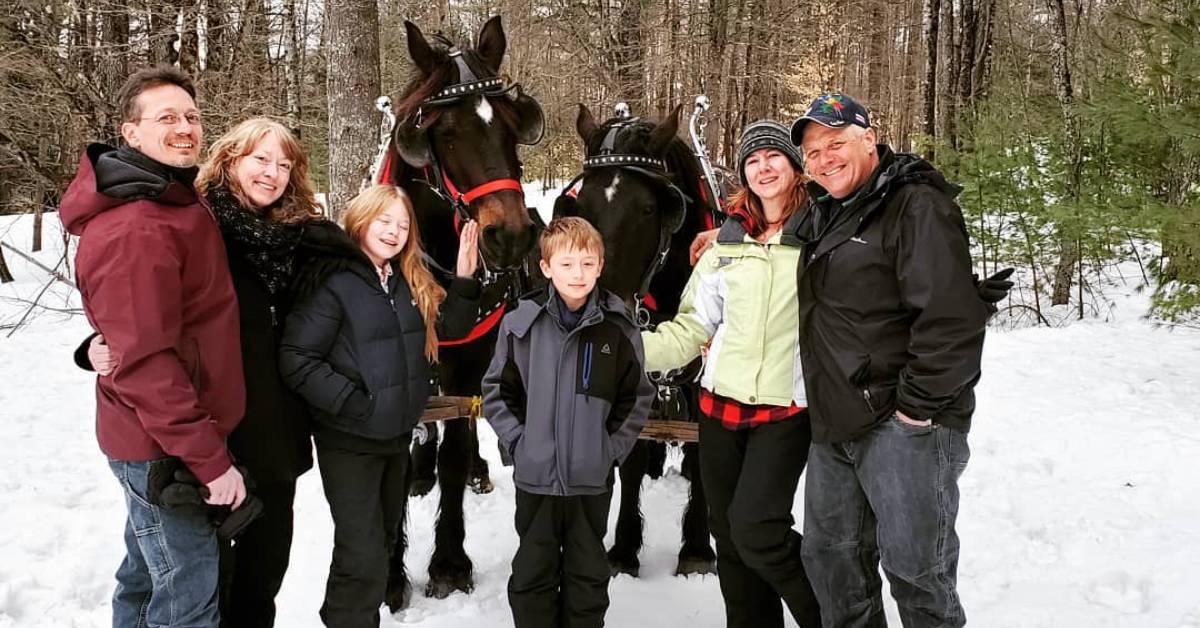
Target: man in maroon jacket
(153, 274)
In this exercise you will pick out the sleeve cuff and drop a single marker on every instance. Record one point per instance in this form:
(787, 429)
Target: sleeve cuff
(81, 357)
(466, 287)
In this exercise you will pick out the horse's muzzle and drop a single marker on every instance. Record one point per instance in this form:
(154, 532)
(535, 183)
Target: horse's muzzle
(505, 247)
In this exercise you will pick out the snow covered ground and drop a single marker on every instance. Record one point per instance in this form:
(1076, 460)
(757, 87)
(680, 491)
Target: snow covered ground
(1080, 506)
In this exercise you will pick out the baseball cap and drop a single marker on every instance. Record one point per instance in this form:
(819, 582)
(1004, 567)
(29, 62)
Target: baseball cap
(833, 111)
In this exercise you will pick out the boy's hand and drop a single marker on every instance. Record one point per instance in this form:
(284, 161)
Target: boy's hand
(102, 358)
(468, 250)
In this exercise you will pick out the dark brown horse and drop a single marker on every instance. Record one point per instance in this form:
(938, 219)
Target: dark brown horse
(642, 189)
(454, 150)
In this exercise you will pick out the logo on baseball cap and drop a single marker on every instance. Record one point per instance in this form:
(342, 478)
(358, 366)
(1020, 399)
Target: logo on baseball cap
(834, 111)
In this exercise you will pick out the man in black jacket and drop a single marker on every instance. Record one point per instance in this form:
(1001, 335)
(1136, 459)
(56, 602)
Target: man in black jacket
(891, 334)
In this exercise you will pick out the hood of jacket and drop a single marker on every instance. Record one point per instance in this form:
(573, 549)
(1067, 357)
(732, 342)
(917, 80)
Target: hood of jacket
(109, 177)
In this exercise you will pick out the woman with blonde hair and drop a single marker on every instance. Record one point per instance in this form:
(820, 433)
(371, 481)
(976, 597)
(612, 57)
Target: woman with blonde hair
(256, 181)
(358, 348)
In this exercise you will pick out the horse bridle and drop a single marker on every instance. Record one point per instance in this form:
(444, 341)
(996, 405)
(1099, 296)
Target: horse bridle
(656, 170)
(469, 84)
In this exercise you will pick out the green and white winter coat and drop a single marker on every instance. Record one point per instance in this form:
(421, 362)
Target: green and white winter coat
(742, 295)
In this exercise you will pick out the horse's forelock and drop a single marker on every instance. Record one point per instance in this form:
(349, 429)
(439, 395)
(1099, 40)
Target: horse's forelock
(422, 87)
(635, 138)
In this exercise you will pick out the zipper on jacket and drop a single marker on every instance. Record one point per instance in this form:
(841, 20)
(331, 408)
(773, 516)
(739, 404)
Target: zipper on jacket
(564, 469)
(587, 365)
(866, 393)
(274, 319)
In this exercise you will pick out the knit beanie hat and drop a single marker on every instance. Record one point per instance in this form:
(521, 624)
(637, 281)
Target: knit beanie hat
(766, 134)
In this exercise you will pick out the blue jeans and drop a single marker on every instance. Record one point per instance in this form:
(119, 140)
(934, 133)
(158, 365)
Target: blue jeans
(891, 494)
(169, 575)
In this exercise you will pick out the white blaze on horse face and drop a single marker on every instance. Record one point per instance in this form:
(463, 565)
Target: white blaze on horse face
(484, 110)
(611, 191)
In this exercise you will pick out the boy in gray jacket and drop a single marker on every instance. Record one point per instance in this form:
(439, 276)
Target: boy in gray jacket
(567, 396)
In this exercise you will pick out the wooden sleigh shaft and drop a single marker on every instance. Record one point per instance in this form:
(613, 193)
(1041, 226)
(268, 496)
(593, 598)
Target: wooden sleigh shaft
(442, 408)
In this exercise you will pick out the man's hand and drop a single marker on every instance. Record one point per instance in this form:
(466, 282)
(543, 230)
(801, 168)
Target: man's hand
(995, 288)
(227, 490)
(907, 420)
(703, 240)
(102, 358)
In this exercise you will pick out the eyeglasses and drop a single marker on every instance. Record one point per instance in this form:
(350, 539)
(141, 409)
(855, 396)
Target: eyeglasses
(172, 119)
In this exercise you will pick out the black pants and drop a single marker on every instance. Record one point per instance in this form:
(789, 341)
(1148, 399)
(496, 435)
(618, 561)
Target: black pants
(750, 477)
(366, 494)
(560, 573)
(252, 567)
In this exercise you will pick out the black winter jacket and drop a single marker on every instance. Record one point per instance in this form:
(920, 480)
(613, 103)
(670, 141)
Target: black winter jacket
(890, 317)
(357, 353)
(273, 439)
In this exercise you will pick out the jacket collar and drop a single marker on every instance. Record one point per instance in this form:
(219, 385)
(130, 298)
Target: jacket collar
(732, 231)
(600, 304)
(842, 219)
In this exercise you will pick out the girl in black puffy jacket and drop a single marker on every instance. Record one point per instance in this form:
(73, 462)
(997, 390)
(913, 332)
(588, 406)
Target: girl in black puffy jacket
(358, 349)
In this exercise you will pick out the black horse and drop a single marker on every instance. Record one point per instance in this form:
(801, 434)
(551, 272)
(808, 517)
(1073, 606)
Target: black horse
(454, 151)
(642, 189)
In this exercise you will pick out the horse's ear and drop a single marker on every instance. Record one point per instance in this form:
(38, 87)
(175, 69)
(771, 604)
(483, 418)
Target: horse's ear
(492, 43)
(412, 144)
(565, 206)
(418, 48)
(585, 123)
(661, 136)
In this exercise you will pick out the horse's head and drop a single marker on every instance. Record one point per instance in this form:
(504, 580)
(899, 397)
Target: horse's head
(637, 206)
(458, 115)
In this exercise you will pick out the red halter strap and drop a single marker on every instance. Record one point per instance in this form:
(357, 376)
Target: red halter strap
(477, 192)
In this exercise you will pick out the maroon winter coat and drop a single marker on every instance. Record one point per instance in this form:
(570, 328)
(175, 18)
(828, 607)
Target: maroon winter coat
(152, 270)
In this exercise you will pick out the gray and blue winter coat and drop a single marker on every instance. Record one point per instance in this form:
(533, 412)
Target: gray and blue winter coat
(567, 402)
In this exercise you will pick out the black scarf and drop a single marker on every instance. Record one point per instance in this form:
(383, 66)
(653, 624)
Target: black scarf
(268, 247)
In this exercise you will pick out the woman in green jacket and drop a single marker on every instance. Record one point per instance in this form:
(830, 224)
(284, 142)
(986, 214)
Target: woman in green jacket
(754, 432)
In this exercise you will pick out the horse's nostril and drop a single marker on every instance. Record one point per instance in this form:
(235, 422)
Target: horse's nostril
(491, 235)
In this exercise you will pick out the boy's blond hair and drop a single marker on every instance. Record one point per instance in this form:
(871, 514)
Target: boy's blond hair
(570, 233)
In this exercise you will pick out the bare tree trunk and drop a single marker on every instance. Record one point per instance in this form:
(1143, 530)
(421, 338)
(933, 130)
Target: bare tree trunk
(6, 275)
(215, 35)
(986, 20)
(353, 85)
(292, 65)
(631, 55)
(932, 13)
(717, 39)
(953, 63)
(1069, 253)
(876, 61)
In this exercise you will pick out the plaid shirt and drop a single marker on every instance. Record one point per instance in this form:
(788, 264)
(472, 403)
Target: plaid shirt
(735, 415)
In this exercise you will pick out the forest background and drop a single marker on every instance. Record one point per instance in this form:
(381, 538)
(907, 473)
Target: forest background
(1073, 125)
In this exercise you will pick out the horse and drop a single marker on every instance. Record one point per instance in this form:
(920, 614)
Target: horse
(453, 149)
(642, 188)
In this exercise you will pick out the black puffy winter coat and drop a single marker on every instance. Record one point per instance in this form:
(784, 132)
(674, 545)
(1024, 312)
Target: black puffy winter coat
(890, 317)
(355, 352)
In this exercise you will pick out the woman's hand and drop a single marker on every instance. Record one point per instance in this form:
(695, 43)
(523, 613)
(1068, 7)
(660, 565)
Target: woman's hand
(468, 250)
(101, 357)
